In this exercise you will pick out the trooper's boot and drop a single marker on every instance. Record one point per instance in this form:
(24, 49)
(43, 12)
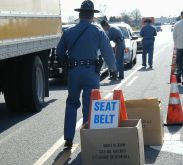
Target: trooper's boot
(120, 77)
(68, 144)
(178, 79)
(113, 76)
(110, 75)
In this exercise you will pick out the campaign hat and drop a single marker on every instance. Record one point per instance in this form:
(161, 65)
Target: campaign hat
(148, 20)
(87, 5)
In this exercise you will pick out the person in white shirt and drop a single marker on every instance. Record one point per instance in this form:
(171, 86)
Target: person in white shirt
(178, 45)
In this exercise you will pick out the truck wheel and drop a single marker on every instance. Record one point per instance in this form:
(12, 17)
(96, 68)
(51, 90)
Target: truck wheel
(34, 85)
(12, 89)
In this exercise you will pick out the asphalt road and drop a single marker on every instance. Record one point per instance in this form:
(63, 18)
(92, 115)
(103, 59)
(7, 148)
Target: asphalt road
(38, 138)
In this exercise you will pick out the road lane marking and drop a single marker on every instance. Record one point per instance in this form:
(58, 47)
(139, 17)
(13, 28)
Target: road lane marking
(55, 147)
(172, 144)
(132, 81)
(61, 141)
(50, 152)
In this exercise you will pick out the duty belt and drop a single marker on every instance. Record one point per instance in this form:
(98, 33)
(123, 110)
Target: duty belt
(119, 40)
(75, 63)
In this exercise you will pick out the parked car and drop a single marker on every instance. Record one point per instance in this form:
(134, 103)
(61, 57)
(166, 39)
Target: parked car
(66, 26)
(172, 27)
(130, 51)
(158, 27)
(139, 42)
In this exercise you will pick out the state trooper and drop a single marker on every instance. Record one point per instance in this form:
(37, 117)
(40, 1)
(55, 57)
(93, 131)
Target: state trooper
(81, 43)
(148, 33)
(116, 35)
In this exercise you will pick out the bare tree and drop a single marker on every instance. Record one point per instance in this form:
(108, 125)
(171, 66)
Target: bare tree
(136, 17)
(115, 19)
(125, 17)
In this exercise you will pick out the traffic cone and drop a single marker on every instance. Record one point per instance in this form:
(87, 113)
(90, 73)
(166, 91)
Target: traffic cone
(95, 95)
(175, 113)
(118, 95)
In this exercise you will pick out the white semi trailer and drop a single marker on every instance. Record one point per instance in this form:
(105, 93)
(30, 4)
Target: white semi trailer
(29, 30)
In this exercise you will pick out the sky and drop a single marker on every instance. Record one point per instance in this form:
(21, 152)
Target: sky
(156, 8)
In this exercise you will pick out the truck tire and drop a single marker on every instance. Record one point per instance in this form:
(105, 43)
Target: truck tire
(12, 88)
(33, 84)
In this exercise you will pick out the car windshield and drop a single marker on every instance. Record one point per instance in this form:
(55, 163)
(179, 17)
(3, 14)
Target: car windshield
(137, 33)
(125, 32)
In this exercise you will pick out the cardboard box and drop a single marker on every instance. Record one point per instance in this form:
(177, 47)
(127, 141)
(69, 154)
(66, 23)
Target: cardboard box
(113, 146)
(152, 121)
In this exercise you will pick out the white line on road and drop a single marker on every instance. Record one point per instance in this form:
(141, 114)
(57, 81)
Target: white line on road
(132, 81)
(55, 147)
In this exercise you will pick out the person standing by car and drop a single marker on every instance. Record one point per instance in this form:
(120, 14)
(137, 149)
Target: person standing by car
(82, 43)
(148, 33)
(178, 45)
(115, 35)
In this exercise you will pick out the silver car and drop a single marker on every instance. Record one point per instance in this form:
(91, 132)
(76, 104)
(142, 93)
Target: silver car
(139, 42)
(130, 51)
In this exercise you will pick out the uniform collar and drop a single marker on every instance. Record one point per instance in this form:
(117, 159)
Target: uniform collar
(85, 21)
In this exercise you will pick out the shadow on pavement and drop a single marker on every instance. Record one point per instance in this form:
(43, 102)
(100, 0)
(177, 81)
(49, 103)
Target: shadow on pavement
(174, 129)
(64, 158)
(46, 103)
(150, 155)
(77, 160)
(144, 69)
(8, 119)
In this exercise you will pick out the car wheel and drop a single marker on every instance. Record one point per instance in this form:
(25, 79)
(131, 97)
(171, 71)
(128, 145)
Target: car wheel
(130, 64)
(135, 60)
